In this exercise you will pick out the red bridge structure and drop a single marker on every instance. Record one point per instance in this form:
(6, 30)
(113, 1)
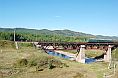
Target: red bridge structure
(107, 47)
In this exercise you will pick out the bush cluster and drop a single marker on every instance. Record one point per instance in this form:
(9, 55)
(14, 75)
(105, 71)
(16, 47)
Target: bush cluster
(6, 44)
(40, 63)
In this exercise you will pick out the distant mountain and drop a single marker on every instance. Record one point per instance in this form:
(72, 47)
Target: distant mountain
(71, 33)
(57, 32)
(106, 37)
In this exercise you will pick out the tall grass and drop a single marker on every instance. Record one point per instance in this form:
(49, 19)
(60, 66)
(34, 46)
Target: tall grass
(25, 44)
(4, 44)
(115, 54)
(93, 53)
(40, 62)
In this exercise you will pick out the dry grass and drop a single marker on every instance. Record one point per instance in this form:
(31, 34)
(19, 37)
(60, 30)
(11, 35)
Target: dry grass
(88, 53)
(93, 53)
(75, 69)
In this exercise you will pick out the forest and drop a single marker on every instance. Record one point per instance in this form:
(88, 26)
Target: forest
(23, 34)
(19, 36)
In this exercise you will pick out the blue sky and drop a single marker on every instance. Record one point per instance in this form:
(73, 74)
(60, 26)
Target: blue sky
(88, 16)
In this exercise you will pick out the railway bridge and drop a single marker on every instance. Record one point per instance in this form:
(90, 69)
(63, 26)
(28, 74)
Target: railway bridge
(107, 47)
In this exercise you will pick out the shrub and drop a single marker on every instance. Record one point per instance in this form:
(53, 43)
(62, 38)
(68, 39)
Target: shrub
(21, 62)
(41, 63)
(50, 64)
(7, 44)
(32, 63)
(56, 63)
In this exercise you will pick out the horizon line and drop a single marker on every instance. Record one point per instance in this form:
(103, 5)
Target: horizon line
(58, 29)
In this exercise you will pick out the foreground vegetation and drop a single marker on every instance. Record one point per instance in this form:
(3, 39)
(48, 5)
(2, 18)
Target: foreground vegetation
(29, 62)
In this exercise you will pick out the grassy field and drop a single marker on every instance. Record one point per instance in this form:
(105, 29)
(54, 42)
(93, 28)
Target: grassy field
(22, 63)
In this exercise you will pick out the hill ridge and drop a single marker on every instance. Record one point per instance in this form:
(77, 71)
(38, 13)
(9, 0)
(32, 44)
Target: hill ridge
(64, 32)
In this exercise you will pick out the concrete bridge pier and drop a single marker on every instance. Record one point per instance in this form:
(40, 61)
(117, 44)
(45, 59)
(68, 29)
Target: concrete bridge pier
(81, 56)
(107, 56)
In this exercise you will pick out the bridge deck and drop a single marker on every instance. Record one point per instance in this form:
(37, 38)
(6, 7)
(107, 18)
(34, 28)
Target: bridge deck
(76, 45)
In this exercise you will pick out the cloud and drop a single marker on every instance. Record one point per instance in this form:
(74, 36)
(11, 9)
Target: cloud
(57, 16)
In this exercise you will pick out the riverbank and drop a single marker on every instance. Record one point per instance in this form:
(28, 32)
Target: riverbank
(65, 53)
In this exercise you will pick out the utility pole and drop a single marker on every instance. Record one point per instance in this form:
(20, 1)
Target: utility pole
(15, 38)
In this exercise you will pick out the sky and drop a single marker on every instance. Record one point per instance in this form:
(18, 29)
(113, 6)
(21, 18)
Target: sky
(98, 17)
